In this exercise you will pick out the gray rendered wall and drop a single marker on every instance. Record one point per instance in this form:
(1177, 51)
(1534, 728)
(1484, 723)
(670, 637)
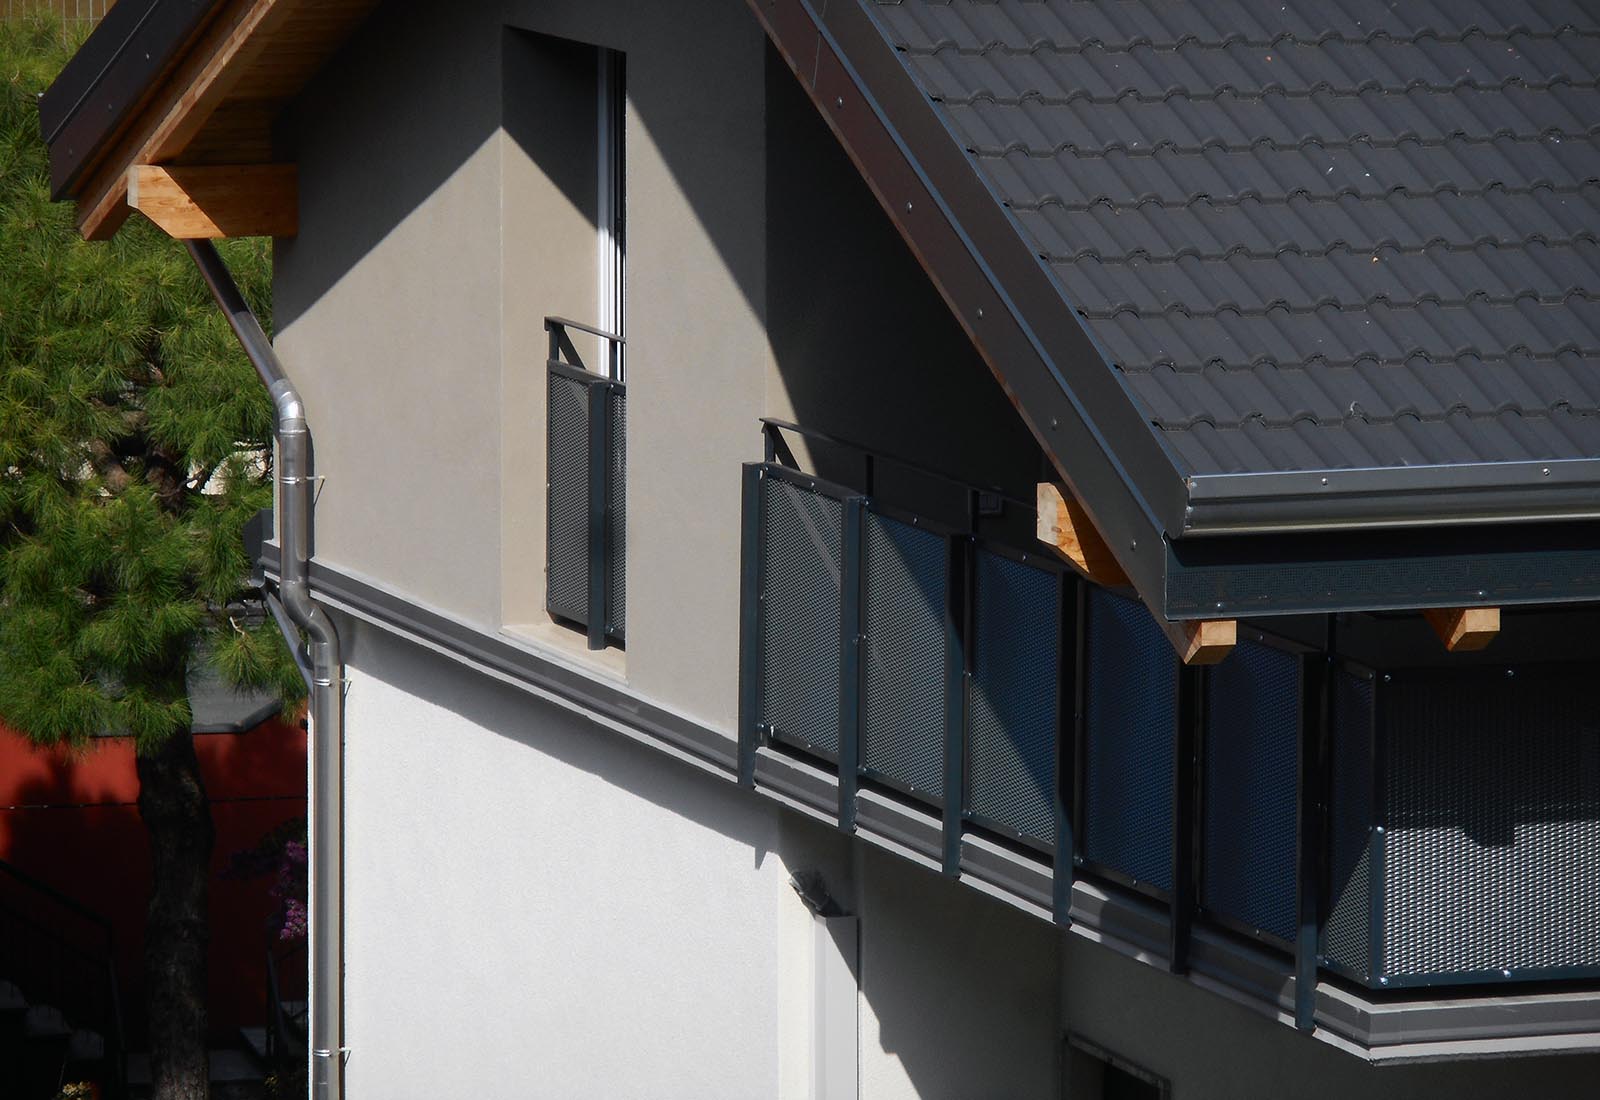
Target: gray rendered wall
(444, 216)
(1208, 1047)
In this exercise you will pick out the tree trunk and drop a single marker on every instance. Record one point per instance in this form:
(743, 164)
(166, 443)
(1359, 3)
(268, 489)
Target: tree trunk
(177, 816)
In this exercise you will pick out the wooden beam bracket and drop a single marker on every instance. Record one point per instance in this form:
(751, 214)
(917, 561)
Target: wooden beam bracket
(1202, 641)
(1065, 526)
(1463, 629)
(197, 201)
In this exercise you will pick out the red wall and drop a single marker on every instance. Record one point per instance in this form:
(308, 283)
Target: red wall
(73, 822)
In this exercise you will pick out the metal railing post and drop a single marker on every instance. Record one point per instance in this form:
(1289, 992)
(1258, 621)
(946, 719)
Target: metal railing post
(750, 618)
(851, 583)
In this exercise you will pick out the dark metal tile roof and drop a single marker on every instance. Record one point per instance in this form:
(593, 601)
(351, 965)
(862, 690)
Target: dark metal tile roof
(1316, 234)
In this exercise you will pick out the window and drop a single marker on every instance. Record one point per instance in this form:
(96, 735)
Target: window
(563, 249)
(1094, 1073)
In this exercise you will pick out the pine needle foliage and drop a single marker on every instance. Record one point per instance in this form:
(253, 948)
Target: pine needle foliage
(134, 445)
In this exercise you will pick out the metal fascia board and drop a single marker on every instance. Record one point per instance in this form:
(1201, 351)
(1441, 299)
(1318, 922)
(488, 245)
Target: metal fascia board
(995, 287)
(111, 74)
(1396, 496)
(1388, 570)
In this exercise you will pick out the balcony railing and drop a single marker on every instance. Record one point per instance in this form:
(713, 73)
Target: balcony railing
(586, 515)
(1392, 827)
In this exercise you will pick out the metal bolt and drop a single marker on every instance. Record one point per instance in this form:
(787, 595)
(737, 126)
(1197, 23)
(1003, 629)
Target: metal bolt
(1133, 545)
(1054, 423)
(908, 208)
(1386, 677)
(1510, 672)
(1219, 605)
(1480, 593)
(838, 101)
(980, 311)
(1546, 473)
(1324, 481)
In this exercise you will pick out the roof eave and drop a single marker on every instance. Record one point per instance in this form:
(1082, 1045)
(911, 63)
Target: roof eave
(110, 76)
(1392, 497)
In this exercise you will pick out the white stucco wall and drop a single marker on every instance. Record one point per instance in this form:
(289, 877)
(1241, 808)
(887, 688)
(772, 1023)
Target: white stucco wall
(536, 906)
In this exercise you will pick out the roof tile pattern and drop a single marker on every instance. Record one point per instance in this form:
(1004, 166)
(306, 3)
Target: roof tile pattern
(1310, 234)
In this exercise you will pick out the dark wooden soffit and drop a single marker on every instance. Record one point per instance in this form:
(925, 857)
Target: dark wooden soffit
(211, 103)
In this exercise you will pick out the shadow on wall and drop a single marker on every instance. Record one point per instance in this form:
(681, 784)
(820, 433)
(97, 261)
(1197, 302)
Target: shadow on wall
(72, 821)
(864, 346)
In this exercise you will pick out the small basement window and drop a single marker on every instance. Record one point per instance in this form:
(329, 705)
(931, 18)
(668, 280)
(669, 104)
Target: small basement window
(1094, 1073)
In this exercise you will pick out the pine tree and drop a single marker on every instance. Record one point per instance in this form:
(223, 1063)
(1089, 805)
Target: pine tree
(134, 444)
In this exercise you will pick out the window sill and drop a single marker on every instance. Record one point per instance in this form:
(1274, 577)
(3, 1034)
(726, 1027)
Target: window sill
(569, 647)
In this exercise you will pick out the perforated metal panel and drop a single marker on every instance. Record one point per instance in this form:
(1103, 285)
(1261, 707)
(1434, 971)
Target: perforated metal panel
(617, 515)
(1492, 824)
(1251, 761)
(903, 681)
(1011, 739)
(1130, 720)
(802, 550)
(1347, 931)
(567, 530)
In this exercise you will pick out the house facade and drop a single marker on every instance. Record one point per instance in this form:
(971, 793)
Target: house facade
(883, 550)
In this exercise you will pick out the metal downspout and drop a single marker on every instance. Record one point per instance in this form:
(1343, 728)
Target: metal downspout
(325, 760)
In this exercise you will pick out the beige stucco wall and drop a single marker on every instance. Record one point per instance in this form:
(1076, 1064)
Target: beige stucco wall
(438, 230)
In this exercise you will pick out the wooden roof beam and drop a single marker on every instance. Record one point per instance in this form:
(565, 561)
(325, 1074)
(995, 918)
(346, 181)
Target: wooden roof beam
(190, 95)
(207, 201)
(1065, 526)
(1463, 629)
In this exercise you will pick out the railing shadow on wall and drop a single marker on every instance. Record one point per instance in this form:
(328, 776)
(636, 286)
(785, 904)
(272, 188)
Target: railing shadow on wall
(586, 491)
(926, 654)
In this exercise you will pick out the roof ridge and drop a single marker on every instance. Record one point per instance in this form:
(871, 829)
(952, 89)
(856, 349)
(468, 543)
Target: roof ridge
(1307, 91)
(1294, 248)
(1218, 144)
(1303, 194)
(1331, 303)
(1193, 39)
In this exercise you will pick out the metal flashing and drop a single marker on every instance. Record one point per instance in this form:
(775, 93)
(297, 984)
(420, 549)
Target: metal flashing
(1379, 1028)
(113, 71)
(1392, 496)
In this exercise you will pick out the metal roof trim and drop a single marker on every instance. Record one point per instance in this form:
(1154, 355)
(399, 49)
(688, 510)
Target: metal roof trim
(1392, 496)
(109, 77)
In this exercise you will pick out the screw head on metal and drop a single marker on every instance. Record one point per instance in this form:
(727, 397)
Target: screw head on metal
(838, 101)
(908, 208)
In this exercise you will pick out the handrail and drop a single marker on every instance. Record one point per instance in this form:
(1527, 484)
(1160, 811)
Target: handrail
(112, 1025)
(871, 455)
(59, 898)
(557, 328)
(552, 323)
